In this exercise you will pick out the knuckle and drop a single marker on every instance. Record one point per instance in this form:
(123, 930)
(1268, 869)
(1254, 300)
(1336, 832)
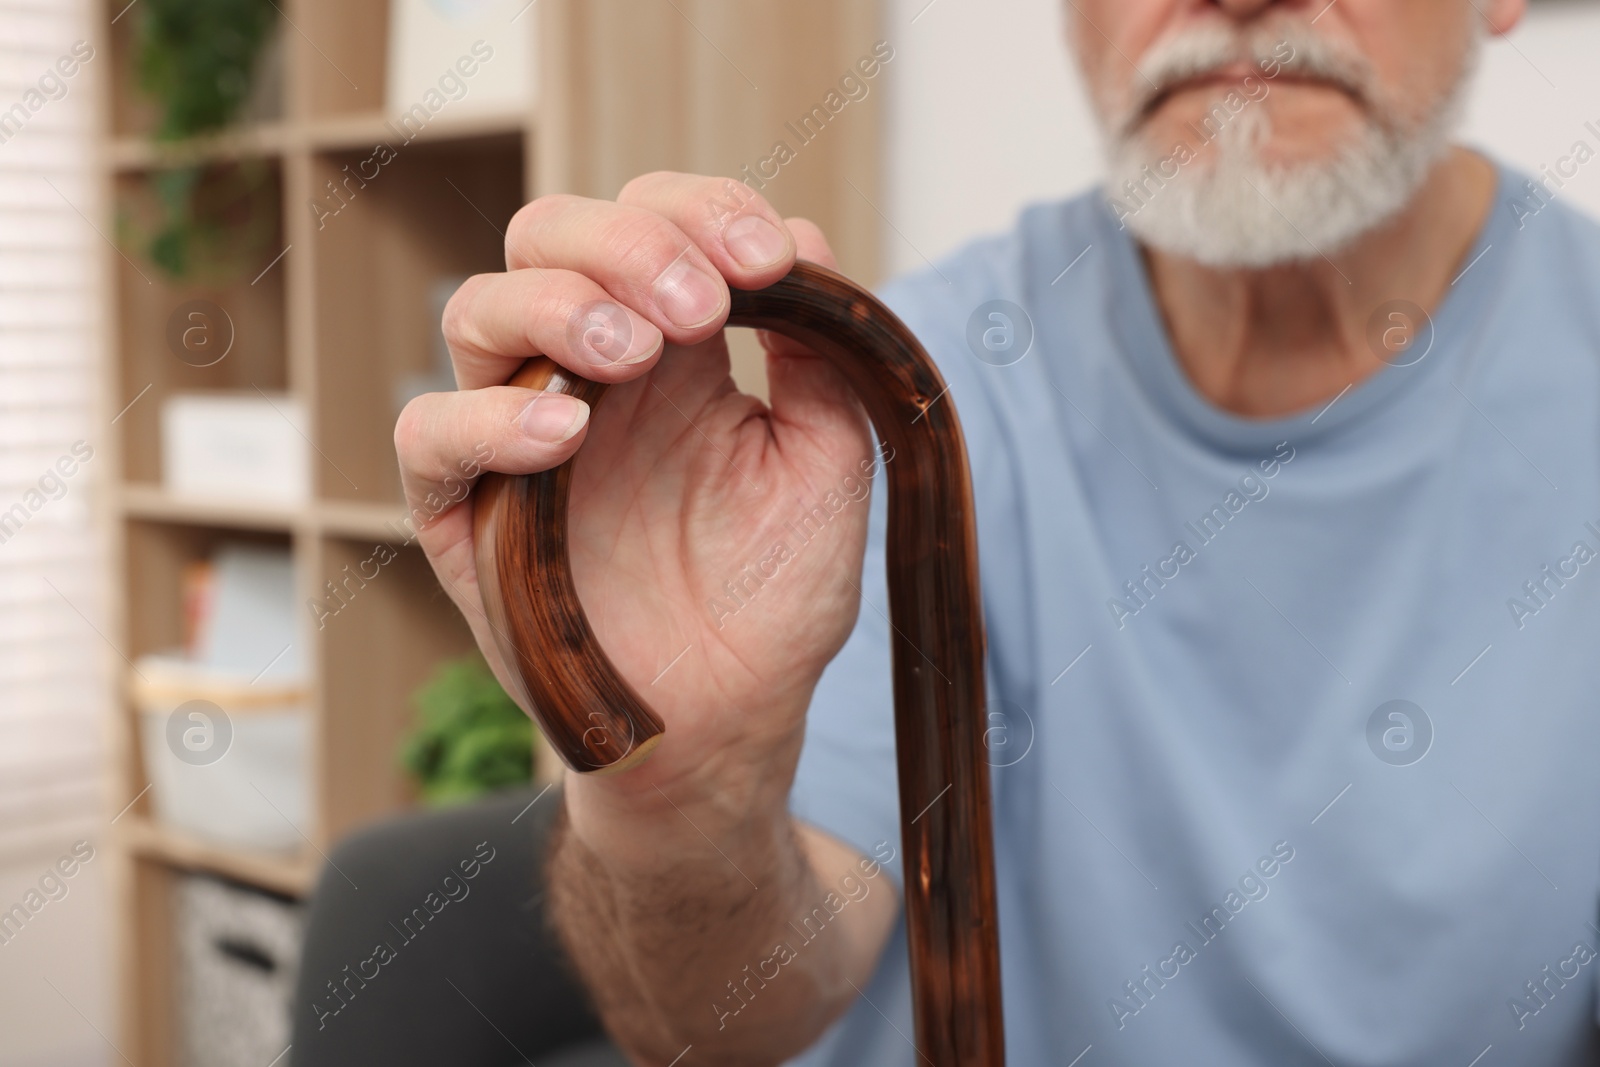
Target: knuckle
(410, 427)
(727, 198)
(456, 322)
(534, 216)
(642, 244)
(643, 184)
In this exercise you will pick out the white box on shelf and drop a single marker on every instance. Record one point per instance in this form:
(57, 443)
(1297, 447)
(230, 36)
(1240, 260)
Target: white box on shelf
(238, 951)
(226, 756)
(459, 57)
(252, 446)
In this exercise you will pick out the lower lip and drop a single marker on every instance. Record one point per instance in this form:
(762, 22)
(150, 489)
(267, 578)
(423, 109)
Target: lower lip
(1223, 82)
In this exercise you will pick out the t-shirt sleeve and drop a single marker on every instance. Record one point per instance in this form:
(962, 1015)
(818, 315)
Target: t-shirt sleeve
(846, 783)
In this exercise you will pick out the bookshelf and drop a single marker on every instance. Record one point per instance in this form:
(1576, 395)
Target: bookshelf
(344, 316)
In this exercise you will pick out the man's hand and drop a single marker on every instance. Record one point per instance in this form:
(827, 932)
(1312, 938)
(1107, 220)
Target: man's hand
(683, 481)
(683, 556)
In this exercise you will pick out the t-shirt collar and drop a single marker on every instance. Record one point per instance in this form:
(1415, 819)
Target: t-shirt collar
(1138, 327)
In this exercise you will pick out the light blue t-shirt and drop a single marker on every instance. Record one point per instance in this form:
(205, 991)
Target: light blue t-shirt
(1300, 745)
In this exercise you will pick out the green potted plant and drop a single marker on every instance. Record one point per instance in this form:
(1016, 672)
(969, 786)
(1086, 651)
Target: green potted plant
(198, 60)
(471, 738)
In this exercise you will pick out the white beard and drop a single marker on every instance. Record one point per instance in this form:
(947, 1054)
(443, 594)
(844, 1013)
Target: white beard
(1233, 210)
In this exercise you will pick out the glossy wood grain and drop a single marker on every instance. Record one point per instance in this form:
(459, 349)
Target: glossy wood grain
(598, 723)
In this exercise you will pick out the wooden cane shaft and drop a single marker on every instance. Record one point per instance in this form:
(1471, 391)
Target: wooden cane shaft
(597, 722)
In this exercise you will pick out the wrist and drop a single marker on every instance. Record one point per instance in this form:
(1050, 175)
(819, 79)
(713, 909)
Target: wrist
(649, 820)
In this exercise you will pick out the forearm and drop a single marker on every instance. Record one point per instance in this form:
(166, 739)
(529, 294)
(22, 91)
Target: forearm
(735, 931)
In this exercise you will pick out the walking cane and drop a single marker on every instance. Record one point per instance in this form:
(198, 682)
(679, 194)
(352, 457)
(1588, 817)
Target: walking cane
(596, 721)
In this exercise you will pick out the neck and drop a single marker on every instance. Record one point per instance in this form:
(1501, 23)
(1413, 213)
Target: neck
(1268, 343)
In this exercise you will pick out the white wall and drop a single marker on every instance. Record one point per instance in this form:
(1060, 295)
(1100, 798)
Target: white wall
(55, 974)
(1537, 89)
(985, 114)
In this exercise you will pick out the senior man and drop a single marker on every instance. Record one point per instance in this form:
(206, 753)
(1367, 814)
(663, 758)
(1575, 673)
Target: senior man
(1286, 453)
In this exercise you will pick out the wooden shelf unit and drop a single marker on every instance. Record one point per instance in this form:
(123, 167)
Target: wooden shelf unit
(276, 138)
(343, 318)
(334, 323)
(290, 875)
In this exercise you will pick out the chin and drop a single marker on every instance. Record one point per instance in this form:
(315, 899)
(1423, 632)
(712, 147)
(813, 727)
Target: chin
(1260, 192)
(1259, 172)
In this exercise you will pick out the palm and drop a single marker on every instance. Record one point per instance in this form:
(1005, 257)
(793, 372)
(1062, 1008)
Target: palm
(700, 580)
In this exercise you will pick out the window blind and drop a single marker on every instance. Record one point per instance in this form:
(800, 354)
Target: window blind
(52, 661)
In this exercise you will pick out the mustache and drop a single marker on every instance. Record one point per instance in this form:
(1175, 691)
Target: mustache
(1210, 50)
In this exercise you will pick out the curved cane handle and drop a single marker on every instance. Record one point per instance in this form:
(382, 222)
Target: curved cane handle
(598, 723)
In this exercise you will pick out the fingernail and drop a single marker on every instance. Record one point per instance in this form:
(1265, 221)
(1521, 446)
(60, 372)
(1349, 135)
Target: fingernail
(553, 417)
(609, 335)
(688, 297)
(644, 346)
(755, 242)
